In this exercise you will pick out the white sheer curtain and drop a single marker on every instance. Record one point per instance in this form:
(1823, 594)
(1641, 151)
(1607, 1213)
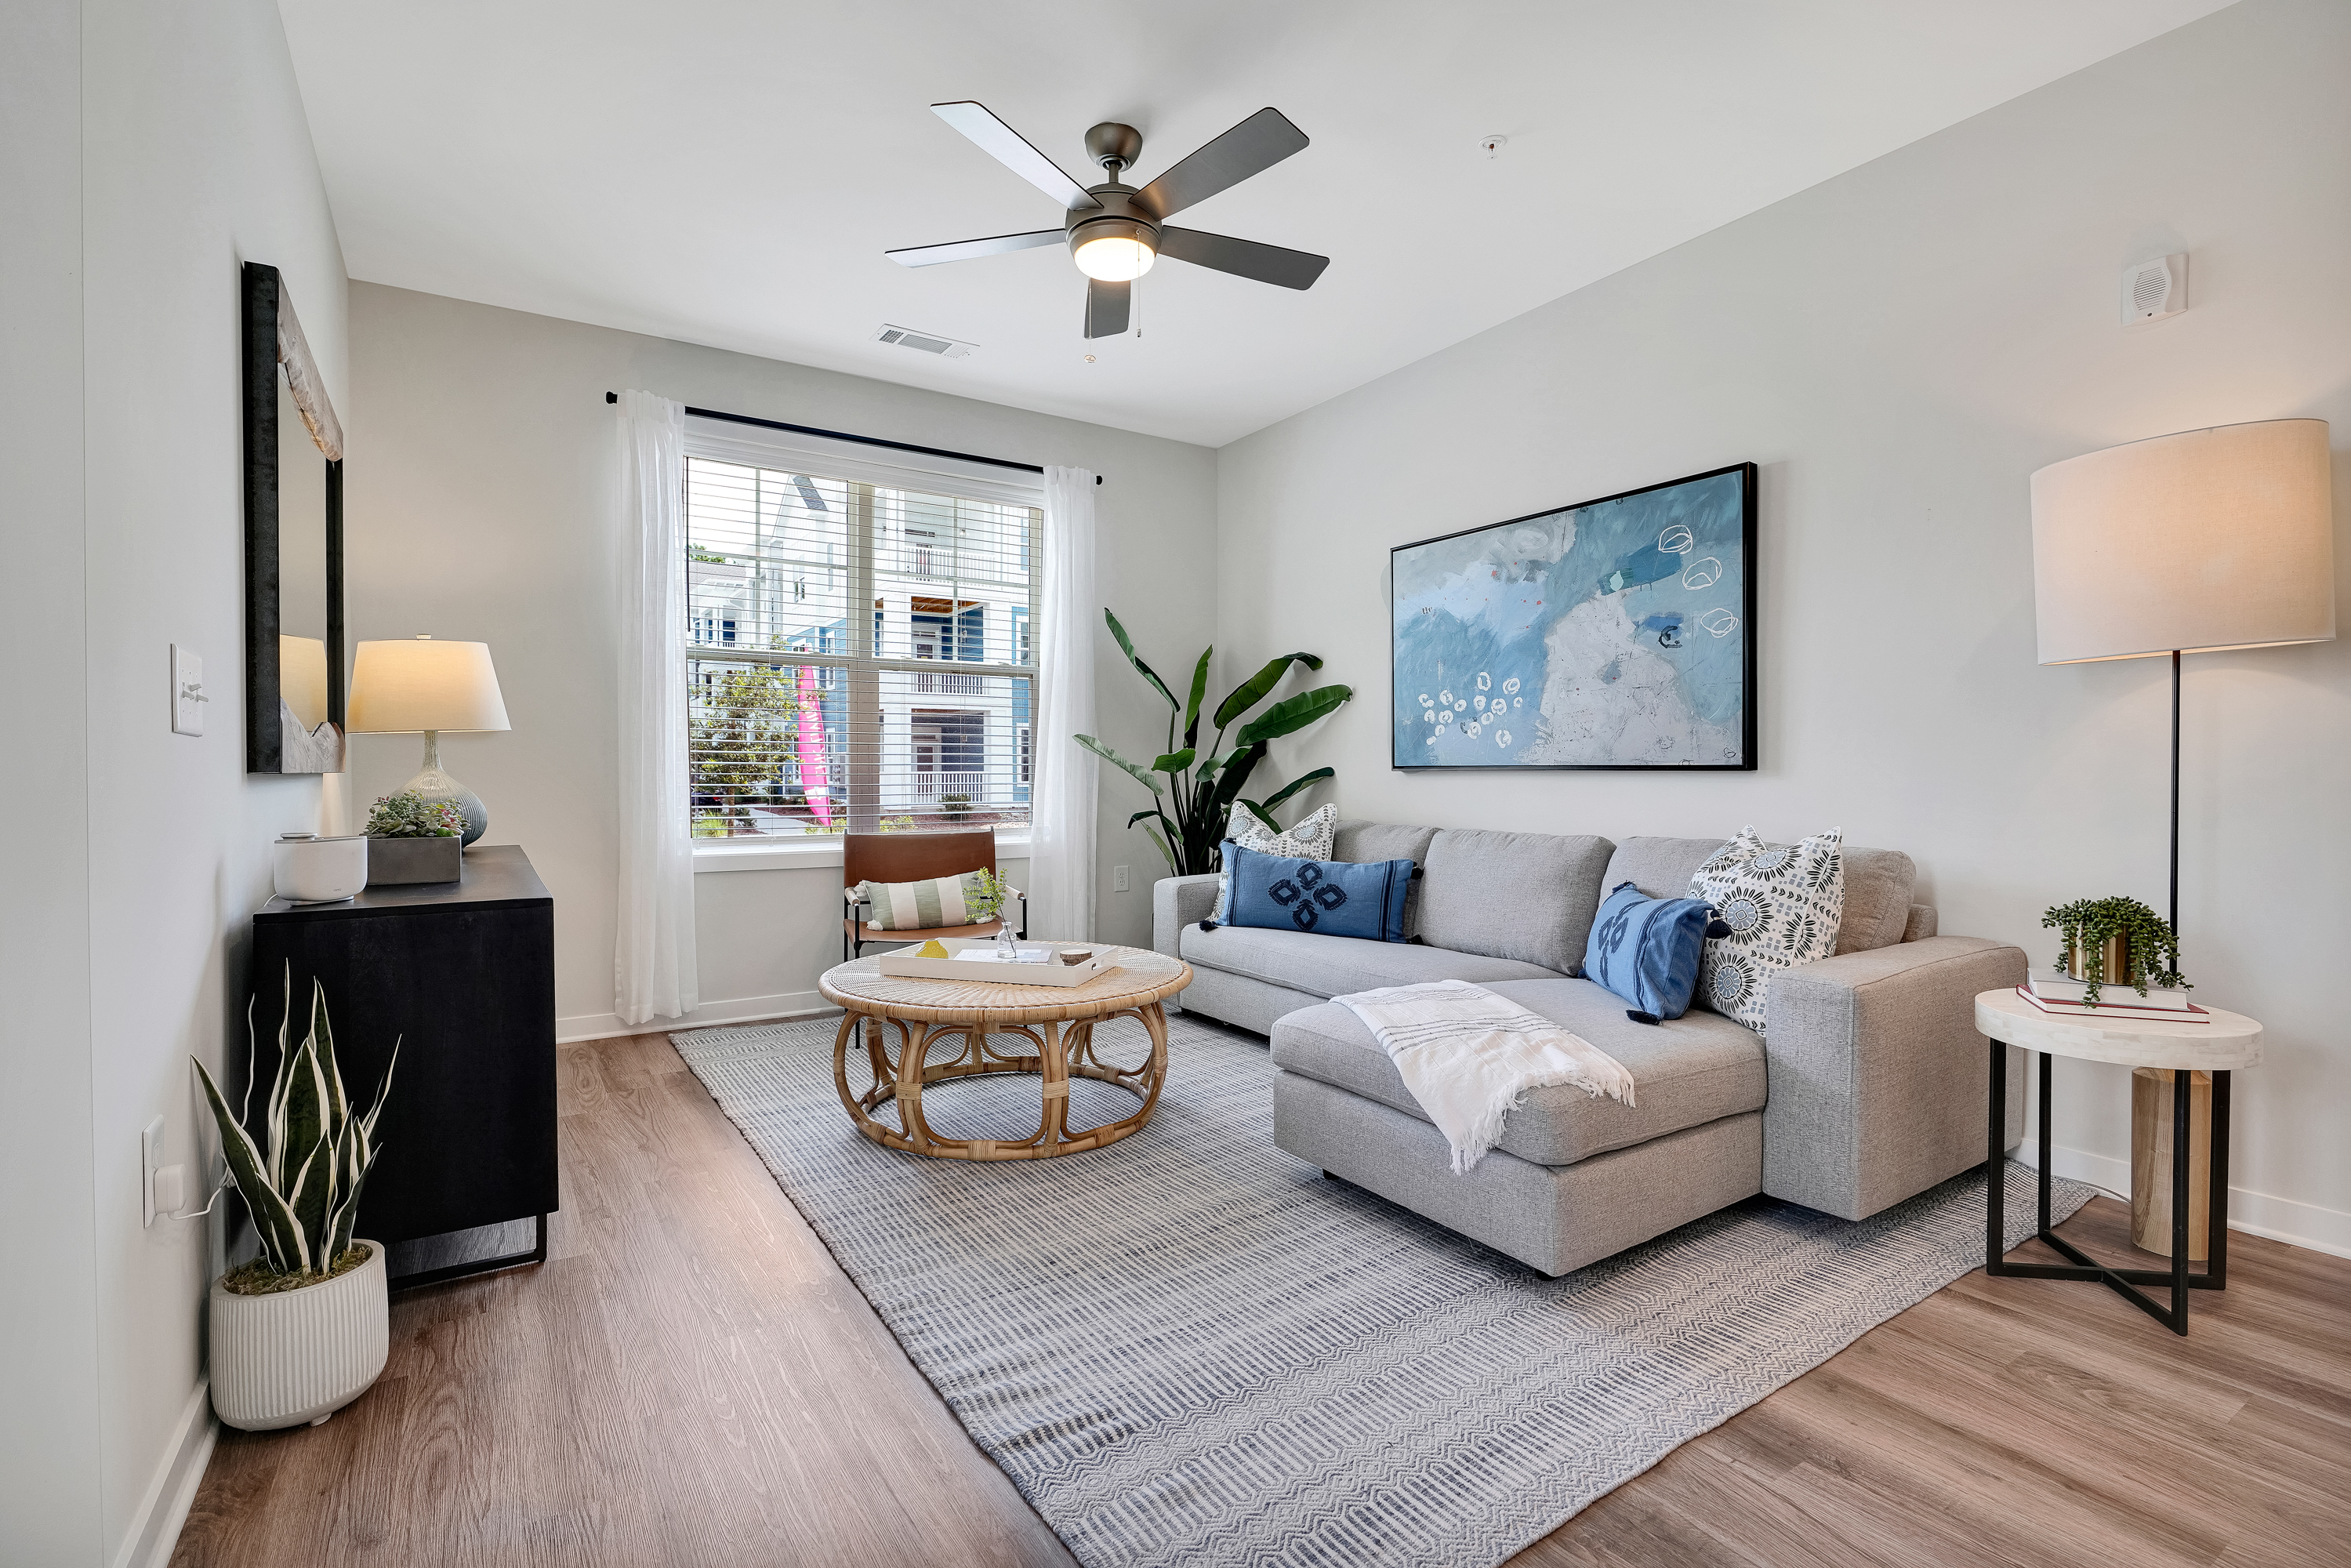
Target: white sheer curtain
(653, 974)
(1062, 802)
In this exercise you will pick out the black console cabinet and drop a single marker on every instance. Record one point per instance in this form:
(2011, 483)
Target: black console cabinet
(463, 976)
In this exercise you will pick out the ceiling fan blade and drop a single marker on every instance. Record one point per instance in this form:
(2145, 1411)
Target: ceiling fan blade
(1106, 306)
(1253, 146)
(965, 249)
(1010, 148)
(1243, 257)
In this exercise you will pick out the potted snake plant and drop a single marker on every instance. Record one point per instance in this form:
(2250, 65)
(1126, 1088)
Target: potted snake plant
(304, 1328)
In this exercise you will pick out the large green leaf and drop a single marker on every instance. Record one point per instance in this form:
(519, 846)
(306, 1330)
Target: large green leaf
(1208, 769)
(338, 1108)
(308, 1153)
(1127, 647)
(272, 1222)
(1166, 852)
(1172, 761)
(1199, 690)
(1234, 779)
(1144, 775)
(1295, 785)
(1262, 815)
(1251, 692)
(1293, 713)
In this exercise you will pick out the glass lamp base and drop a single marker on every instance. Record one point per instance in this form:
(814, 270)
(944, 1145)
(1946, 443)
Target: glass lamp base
(433, 783)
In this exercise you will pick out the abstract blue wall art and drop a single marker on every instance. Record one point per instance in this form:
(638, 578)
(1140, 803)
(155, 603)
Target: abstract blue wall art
(1613, 633)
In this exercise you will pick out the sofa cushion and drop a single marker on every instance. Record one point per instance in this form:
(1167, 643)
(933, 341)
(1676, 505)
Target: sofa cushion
(1334, 966)
(1528, 897)
(1877, 884)
(1387, 841)
(1694, 1070)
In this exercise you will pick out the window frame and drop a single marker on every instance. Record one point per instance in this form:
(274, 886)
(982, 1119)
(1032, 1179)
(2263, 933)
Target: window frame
(863, 668)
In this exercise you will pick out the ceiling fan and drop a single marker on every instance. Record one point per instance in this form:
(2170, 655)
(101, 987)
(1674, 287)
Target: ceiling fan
(1116, 231)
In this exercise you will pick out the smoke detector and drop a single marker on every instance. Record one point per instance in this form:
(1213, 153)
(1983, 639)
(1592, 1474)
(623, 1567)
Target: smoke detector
(943, 347)
(2154, 290)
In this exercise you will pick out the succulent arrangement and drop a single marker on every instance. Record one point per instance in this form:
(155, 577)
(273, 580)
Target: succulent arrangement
(2087, 925)
(302, 1189)
(1203, 785)
(411, 816)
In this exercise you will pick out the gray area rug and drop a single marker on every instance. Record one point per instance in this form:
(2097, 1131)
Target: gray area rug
(1191, 1348)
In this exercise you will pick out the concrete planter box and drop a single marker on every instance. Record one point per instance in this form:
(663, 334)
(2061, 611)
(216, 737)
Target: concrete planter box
(394, 860)
(295, 1358)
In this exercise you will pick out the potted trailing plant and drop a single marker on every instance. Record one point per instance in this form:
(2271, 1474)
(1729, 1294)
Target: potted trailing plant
(304, 1328)
(412, 838)
(2116, 941)
(1187, 821)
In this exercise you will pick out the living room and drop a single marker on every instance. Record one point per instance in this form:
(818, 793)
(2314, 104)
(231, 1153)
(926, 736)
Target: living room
(1800, 344)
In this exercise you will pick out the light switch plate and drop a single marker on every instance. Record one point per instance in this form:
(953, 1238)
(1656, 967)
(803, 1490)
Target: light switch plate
(151, 1157)
(188, 697)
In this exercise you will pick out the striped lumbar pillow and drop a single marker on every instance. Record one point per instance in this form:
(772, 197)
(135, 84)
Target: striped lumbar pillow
(922, 906)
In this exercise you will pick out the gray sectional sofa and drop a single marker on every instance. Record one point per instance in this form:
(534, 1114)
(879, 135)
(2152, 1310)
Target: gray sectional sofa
(1870, 1087)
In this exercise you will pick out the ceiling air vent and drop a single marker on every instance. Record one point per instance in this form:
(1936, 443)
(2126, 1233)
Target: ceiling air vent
(924, 342)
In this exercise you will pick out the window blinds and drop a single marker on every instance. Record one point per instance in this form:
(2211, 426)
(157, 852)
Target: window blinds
(859, 654)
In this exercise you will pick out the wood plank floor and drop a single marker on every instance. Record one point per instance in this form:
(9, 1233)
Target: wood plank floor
(691, 1380)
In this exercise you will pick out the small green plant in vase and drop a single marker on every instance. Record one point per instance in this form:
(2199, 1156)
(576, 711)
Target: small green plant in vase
(414, 817)
(2116, 941)
(984, 895)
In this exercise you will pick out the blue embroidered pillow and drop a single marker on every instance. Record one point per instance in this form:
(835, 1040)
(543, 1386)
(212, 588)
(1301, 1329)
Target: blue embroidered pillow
(1363, 899)
(1647, 950)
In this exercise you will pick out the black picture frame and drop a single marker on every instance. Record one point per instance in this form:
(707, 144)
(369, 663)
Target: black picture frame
(272, 345)
(1748, 761)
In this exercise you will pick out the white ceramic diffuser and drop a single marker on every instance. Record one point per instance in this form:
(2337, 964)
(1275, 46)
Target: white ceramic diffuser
(309, 869)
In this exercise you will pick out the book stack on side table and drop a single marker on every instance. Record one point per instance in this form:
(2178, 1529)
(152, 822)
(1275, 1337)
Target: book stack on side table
(2065, 995)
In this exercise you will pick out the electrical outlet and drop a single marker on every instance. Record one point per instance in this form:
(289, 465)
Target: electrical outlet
(150, 1155)
(188, 697)
(1118, 883)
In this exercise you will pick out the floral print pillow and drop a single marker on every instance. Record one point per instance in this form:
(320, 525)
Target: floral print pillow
(1782, 904)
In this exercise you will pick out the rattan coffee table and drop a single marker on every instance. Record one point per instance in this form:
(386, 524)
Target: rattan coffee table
(1059, 1022)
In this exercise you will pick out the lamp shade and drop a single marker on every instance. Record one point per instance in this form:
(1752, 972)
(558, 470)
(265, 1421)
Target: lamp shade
(416, 685)
(2204, 540)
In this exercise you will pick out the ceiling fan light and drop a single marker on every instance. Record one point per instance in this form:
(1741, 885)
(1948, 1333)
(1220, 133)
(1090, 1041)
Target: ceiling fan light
(1115, 259)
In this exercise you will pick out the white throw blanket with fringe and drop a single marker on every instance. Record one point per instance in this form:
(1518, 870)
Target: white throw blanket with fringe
(1468, 1055)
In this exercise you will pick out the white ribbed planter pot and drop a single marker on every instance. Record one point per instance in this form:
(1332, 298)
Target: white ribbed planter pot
(298, 1356)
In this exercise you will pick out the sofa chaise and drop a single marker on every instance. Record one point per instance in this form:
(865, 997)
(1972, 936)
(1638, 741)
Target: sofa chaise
(1866, 1086)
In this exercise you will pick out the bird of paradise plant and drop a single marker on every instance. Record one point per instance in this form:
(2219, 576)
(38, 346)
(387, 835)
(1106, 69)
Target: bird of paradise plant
(1187, 819)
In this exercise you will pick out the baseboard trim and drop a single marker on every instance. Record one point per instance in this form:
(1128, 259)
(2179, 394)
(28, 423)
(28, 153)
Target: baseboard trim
(155, 1529)
(742, 1009)
(2263, 1214)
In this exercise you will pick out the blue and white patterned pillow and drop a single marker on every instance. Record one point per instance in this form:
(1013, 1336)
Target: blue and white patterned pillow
(1309, 839)
(1782, 904)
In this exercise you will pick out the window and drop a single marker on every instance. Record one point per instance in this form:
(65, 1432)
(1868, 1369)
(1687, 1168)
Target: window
(859, 651)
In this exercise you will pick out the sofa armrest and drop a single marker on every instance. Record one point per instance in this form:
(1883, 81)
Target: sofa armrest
(1877, 1075)
(1178, 901)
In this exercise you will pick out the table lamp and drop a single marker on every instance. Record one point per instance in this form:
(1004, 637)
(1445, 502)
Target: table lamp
(402, 687)
(2201, 542)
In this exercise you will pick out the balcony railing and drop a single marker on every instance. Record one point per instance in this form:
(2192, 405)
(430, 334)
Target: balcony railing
(935, 786)
(932, 683)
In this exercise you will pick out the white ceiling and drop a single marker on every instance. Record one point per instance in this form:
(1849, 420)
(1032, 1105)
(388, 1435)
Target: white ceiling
(729, 172)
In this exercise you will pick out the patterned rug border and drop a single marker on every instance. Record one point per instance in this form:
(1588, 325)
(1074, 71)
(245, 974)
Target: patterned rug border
(1005, 1401)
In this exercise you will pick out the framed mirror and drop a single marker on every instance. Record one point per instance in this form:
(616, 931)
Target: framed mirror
(294, 666)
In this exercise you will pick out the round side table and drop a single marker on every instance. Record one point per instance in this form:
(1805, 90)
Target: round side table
(1058, 1020)
(2219, 1046)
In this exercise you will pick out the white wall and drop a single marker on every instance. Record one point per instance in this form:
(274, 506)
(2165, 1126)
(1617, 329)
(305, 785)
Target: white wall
(48, 1302)
(1898, 348)
(150, 150)
(482, 504)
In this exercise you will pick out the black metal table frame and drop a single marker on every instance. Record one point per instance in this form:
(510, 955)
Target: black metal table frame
(2124, 1282)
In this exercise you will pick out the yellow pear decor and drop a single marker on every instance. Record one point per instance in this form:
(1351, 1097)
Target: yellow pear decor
(933, 949)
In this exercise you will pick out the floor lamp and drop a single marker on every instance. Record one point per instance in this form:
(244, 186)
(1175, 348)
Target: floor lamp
(2196, 543)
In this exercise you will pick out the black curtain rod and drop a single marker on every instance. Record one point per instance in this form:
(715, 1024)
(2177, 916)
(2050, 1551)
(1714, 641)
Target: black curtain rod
(860, 440)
